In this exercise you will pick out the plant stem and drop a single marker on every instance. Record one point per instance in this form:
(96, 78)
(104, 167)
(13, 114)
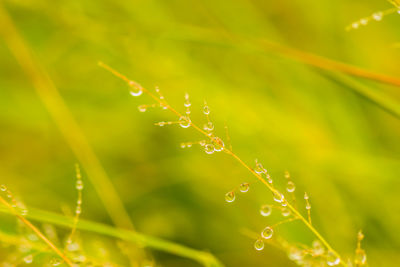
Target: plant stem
(228, 151)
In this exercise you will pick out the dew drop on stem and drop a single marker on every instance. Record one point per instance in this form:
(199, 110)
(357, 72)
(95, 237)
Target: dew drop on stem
(265, 210)
(267, 232)
(244, 187)
(230, 196)
(259, 244)
(184, 122)
(209, 148)
(332, 259)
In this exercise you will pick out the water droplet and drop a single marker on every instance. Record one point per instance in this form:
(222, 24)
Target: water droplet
(332, 259)
(79, 258)
(72, 246)
(209, 148)
(306, 196)
(259, 168)
(377, 16)
(183, 145)
(398, 11)
(317, 248)
(355, 25)
(79, 185)
(161, 123)
(209, 126)
(364, 21)
(219, 144)
(3, 188)
(187, 101)
(24, 212)
(142, 108)
(78, 210)
(278, 197)
(244, 187)
(55, 261)
(259, 244)
(267, 232)
(184, 122)
(308, 206)
(33, 237)
(206, 110)
(28, 259)
(361, 257)
(135, 92)
(202, 142)
(290, 187)
(230, 196)
(360, 235)
(287, 175)
(135, 89)
(285, 212)
(265, 210)
(269, 179)
(295, 254)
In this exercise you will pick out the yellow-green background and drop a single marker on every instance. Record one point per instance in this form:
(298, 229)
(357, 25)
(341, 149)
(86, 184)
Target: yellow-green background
(338, 145)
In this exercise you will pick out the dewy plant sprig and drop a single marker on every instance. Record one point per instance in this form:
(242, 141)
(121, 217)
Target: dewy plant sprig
(213, 143)
(377, 16)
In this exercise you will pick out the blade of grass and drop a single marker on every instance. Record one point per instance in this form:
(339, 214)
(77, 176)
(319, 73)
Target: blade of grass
(326, 63)
(206, 36)
(379, 98)
(203, 257)
(69, 128)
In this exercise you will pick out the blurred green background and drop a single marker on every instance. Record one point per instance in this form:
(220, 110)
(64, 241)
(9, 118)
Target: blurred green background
(338, 145)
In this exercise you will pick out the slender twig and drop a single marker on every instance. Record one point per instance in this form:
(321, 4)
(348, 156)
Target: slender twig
(226, 150)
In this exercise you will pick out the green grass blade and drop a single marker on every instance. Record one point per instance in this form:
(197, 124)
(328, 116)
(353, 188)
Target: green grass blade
(204, 258)
(377, 97)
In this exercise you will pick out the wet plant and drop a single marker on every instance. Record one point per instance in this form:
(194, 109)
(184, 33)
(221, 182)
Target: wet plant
(376, 16)
(320, 253)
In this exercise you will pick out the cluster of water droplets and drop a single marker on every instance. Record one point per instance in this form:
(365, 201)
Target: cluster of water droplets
(17, 204)
(266, 233)
(377, 16)
(260, 170)
(279, 197)
(316, 255)
(306, 198)
(208, 126)
(215, 144)
(231, 196)
(360, 257)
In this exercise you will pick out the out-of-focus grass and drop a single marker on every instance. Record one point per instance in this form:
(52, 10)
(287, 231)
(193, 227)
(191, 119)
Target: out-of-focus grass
(339, 146)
